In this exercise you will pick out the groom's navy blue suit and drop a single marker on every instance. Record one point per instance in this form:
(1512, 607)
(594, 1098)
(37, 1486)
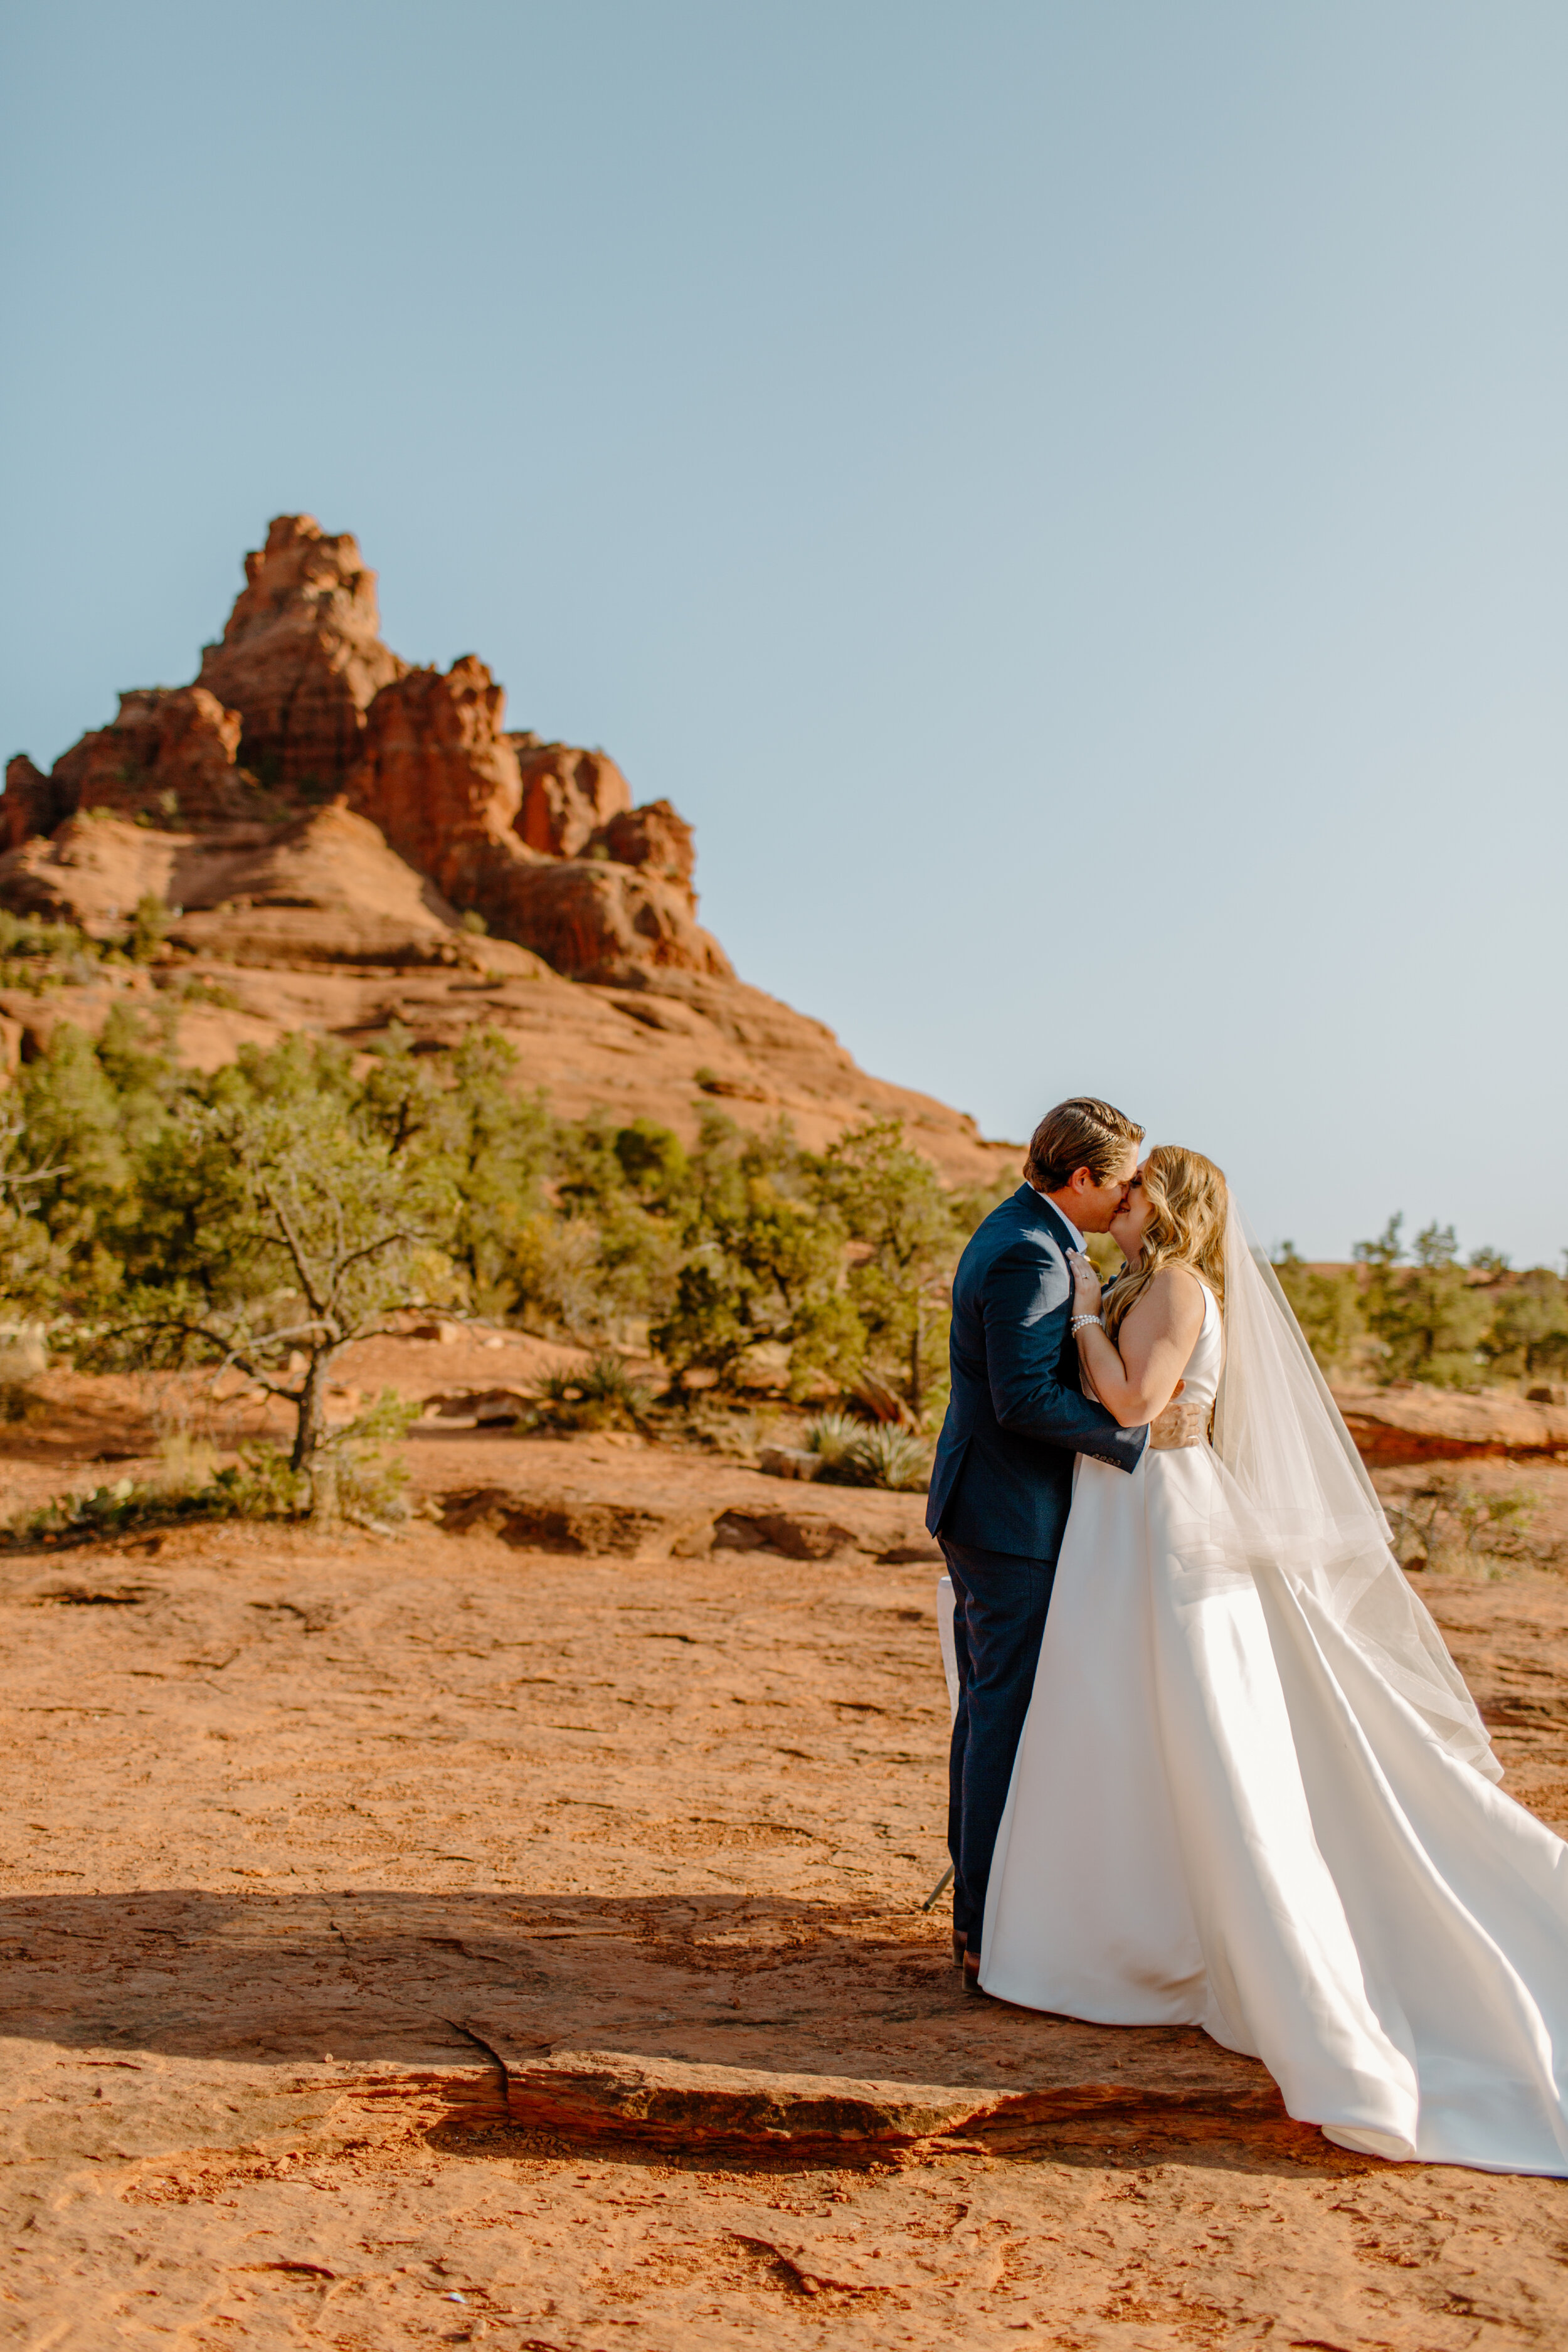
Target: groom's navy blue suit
(1000, 1492)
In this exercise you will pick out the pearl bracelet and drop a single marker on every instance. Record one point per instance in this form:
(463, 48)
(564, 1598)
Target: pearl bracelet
(1081, 1323)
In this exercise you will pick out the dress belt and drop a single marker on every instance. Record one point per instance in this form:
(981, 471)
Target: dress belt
(1180, 1425)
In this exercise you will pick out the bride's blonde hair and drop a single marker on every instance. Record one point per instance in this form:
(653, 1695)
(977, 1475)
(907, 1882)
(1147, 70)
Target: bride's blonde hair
(1188, 1197)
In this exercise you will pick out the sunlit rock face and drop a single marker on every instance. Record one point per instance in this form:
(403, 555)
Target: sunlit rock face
(301, 658)
(300, 702)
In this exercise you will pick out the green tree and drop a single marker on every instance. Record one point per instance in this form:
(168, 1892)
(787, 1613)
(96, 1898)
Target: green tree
(275, 1232)
(1431, 1316)
(764, 1261)
(492, 1143)
(71, 1118)
(607, 1244)
(1326, 1303)
(905, 1241)
(1529, 1329)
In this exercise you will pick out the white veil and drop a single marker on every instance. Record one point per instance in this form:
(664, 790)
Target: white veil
(1301, 1500)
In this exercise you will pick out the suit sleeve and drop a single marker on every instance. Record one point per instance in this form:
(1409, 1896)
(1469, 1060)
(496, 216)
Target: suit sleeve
(1025, 1305)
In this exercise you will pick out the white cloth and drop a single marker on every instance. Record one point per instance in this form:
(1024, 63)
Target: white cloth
(1073, 1234)
(946, 1609)
(1223, 1815)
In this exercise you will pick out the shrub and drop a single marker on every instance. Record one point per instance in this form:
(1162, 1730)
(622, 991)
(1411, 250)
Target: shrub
(892, 1457)
(261, 1486)
(149, 927)
(1446, 1524)
(834, 1436)
(606, 1396)
(22, 1358)
(354, 1475)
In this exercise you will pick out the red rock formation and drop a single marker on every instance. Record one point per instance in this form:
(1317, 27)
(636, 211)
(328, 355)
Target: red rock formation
(31, 805)
(301, 658)
(568, 796)
(439, 777)
(301, 694)
(656, 839)
(595, 920)
(443, 782)
(170, 753)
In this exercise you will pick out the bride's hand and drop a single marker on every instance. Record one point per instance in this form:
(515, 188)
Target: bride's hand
(1085, 1285)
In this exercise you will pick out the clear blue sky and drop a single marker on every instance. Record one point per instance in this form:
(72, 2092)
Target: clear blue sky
(1070, 499)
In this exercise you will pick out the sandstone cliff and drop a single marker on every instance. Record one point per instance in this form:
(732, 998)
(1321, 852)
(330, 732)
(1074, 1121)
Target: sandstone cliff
(345, 841)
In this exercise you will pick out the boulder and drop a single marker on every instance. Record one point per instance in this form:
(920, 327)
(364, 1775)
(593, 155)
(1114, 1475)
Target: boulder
(301, 658)
(569, 796)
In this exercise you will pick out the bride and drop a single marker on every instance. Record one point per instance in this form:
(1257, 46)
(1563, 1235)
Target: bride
(1252, 1792)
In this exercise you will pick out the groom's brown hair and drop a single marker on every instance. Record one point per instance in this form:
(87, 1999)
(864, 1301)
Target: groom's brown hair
(1079, 1133)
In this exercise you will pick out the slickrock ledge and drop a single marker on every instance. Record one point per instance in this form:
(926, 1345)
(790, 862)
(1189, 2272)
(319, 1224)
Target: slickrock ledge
(663, 2104)
(1397, 1425)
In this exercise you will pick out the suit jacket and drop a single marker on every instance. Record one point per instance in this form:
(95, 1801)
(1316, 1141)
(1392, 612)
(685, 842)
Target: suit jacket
(1018, 1413)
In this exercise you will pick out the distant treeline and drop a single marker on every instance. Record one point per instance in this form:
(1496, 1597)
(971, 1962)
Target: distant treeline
(304, 1190)
(1418, 1314)
(272, 1208)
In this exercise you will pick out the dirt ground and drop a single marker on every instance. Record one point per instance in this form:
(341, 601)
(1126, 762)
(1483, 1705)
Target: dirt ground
(448, 1940)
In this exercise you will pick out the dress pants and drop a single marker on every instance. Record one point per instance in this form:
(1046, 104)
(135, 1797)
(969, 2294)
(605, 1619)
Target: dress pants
(998, 1619)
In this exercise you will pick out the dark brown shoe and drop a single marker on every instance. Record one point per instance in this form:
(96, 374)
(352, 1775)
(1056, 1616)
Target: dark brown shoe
(972, 1977)
(960, 1946)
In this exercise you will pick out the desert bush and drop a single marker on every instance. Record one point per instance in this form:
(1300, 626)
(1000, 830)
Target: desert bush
(1448, 1525)
(259, 1485)
(35, 954)
(149, 927)
(554, 1277)
(194, 990)
(605, 1396)
(187, 1463)
(22, 1358)
(356, 1475)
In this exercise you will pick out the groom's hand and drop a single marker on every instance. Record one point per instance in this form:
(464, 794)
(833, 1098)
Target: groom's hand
(1085, 1285)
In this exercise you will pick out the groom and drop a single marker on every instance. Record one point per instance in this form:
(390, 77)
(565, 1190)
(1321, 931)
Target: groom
(1002, 1484)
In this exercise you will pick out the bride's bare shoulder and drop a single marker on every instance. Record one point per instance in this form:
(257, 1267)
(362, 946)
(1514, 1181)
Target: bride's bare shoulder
(1174, 1298)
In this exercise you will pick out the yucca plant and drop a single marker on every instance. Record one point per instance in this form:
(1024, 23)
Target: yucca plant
(889, 1456)
(835, 1437)
(606, 1396)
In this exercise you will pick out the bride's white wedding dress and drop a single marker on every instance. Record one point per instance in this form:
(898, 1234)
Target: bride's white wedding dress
(1246, 1799)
